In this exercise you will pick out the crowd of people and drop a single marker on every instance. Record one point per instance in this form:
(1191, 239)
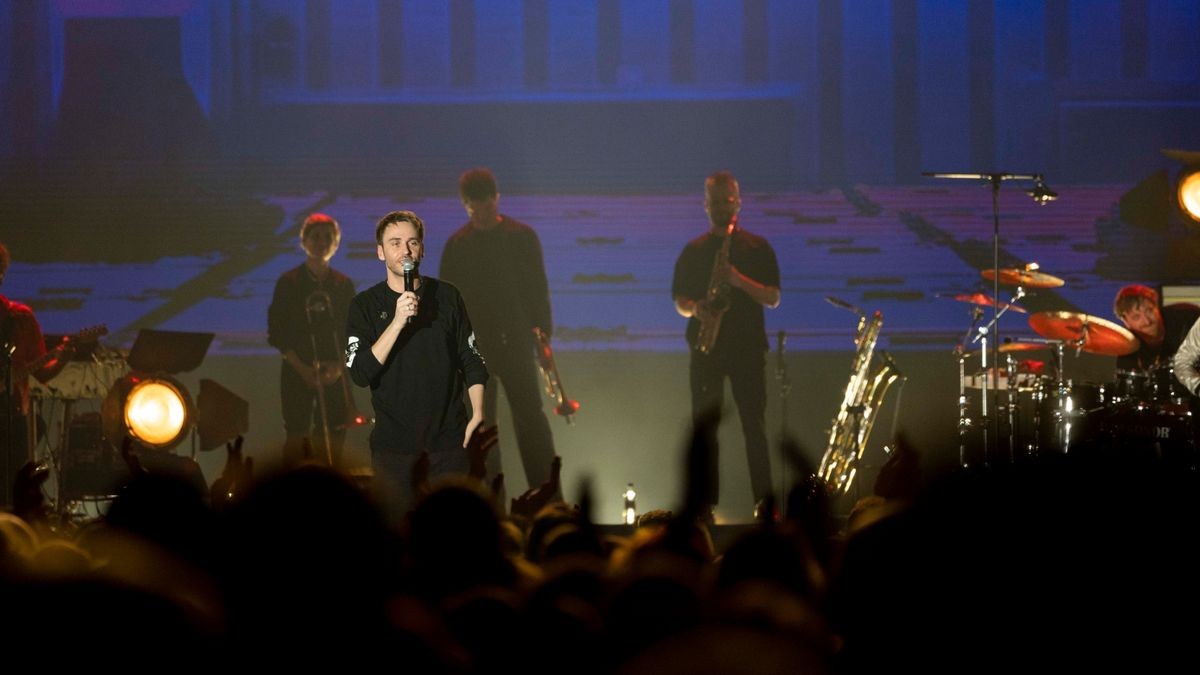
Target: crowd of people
(1069, 561)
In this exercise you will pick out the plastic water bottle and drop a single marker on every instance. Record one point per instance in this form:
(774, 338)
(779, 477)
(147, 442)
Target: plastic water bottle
(629, 513)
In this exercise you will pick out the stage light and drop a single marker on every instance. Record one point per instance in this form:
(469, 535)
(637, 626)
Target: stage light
(1188, 192)
(1187, 182)
(155, 411)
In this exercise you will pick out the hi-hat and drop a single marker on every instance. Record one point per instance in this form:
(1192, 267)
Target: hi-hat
(984, 301)
(1011, 276)
(1090, 333)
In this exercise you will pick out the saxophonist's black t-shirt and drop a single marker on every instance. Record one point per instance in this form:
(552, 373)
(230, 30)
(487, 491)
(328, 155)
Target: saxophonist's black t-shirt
(743, 330)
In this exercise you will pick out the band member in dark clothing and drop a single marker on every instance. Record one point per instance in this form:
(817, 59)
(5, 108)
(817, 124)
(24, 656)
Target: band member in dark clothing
(748, 280)
(304, 322)
(496, 261)
(414, 347)
(22, 353)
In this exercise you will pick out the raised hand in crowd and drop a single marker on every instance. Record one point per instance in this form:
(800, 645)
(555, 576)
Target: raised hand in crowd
(535, 498)
(234, 478)
(132, 462)
(29, 501)
(900, 475)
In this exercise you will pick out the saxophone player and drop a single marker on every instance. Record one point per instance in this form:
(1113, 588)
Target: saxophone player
(723, 279)
(304, 322)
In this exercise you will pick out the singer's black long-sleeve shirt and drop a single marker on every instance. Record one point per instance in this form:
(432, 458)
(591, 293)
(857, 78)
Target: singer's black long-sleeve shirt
(417, 392)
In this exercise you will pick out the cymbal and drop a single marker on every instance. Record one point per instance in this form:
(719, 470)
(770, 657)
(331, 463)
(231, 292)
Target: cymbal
(1090, 333)
(1010, 276)
(984, 301)
(1023, 366)
(1023, 346)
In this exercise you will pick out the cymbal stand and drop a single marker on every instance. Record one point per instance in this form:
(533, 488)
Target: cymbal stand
(964, 421)
(1010, 363)
(981, 336)
(1041, 195)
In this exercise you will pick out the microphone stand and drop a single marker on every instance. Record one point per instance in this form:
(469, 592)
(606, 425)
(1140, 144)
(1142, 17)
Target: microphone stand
(785, 388)
(1042, 195)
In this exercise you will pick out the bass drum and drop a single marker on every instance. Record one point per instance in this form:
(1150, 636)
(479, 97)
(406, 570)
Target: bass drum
(1150, 431)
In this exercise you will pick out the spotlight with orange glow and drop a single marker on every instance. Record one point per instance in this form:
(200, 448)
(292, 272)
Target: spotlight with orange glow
(1187, 191)
(155, 411)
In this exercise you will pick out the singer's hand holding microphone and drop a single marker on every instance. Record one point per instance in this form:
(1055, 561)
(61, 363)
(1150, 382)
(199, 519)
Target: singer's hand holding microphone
(406, 304)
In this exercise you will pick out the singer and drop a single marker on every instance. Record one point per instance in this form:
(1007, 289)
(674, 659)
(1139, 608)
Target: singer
(416, 369)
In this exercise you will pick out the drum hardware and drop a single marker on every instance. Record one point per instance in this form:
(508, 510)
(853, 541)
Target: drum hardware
(785, 388)
(989, 394)
(1028, 277)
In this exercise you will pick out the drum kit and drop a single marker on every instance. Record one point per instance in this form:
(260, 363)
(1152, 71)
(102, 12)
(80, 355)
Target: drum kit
(1036, 409)
(84, 468)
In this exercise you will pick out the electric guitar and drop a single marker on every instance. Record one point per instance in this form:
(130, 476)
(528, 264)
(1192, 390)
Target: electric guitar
(69, 344)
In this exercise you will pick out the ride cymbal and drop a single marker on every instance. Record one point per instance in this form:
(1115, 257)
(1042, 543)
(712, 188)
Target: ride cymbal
(1092, 334)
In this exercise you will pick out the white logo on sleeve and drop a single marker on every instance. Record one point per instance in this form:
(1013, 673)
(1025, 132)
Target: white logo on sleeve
(351, 351)
(471, 345)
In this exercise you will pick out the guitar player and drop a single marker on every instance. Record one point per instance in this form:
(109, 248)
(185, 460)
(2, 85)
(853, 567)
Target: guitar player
(22, 353)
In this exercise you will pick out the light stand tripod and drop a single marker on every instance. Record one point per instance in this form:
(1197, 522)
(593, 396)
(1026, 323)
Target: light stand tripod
(1041, 194)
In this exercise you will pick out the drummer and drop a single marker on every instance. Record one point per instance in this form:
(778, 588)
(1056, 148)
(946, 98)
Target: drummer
(1159, 330)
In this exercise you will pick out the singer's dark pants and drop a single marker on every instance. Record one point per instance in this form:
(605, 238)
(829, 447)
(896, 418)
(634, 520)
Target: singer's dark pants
(514, 367)
(746, 378)
(301, 418)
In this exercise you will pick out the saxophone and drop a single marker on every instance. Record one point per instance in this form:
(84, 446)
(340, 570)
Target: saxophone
(860, 406)
(717, 297)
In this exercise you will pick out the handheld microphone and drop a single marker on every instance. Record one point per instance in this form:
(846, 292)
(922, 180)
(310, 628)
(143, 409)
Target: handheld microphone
(408, 267)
